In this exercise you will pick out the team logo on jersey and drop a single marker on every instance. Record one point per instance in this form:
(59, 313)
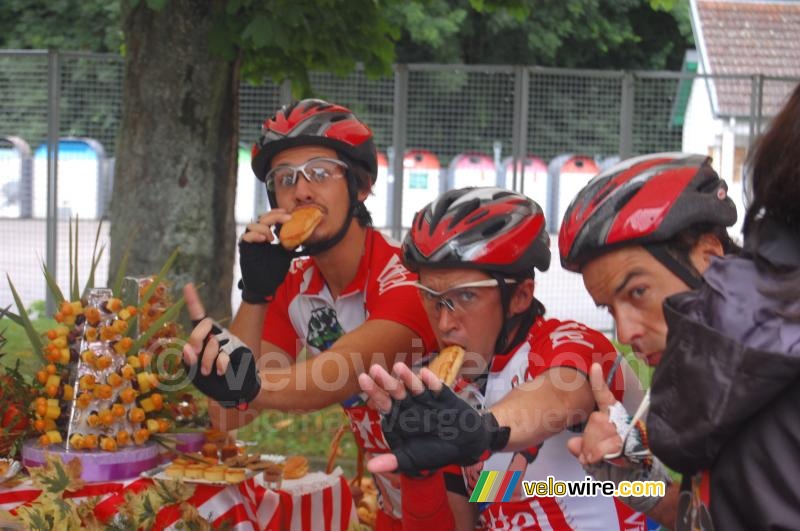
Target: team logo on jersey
(323, 328)
(393, 275)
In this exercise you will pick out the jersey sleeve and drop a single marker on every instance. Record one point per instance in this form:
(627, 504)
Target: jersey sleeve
(571, 344)
(398, 301)
(425, 503)
(278, 328)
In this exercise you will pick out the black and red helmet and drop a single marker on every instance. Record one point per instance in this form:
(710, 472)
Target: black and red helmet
(316, 122)
(641, 201)
(491, 229)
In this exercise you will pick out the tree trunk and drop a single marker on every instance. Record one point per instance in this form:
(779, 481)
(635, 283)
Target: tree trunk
(175, 178)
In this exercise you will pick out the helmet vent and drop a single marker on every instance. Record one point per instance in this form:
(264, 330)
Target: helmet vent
(625, 199)
(441, 208)
(494, 227)
(502, 194)
(463, 211)
(420, 218)
(602, 195)
(479, 215)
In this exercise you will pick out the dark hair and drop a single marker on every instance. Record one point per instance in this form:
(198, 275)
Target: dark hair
(774, 169)
(680, 246)
(537, 307)
(522, 321)
(774, 187)
(358, 179)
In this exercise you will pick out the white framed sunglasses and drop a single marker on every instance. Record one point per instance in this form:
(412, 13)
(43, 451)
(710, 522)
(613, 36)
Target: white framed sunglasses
(316, 171)
(457, 299)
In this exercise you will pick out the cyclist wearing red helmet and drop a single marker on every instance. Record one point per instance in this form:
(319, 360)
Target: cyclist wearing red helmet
(638, 233)
(347, 303)
(523, 384)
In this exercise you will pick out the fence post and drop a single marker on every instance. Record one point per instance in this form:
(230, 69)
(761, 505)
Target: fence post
(759, 103)
(399, 131)
(626, 117)
(53, 126)
(285, 92)
(519, 140)
(751, 133)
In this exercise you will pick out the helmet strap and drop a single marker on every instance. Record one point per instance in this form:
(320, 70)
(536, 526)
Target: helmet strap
(688, 274)
(522, 321)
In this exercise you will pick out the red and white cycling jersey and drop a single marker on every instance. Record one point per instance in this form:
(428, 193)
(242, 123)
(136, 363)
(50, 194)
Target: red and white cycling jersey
(304, 314)
(552, 343)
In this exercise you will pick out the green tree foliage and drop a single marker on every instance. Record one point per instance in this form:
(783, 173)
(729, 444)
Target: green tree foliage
(565, 33)
(85, 25)
(288, 38)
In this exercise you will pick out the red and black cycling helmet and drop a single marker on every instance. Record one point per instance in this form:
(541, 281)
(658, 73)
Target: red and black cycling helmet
(643, 201)
(492, 229)
(319, 123)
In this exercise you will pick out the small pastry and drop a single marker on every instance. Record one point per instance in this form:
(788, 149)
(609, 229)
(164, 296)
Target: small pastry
(273, 474)
(209, 450)
(214, 473)
(194, 471)
(259, 465)
(234, 475)
(295, 467)
(228, 451)
(175, 471)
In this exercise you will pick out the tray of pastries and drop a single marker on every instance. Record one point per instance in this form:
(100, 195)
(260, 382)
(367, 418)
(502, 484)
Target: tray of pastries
(213, 466)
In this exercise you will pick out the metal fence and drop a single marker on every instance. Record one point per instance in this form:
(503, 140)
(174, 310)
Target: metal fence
(542, 131)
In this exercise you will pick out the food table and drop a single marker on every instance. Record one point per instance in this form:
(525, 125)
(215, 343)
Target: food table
(318, 502)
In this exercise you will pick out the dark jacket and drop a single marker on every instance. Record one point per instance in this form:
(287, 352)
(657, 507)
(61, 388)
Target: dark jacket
(726, 395)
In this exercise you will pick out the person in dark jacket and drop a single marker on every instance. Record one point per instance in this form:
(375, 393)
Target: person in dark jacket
(726, 394)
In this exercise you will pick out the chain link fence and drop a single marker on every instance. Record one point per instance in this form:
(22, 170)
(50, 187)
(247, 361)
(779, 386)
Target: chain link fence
(541, 131)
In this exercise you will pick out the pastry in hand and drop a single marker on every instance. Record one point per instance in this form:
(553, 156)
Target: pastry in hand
(298, 229)
(447, 364)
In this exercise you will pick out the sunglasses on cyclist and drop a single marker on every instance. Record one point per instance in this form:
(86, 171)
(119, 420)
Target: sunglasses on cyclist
(317, 170)
(459, 298)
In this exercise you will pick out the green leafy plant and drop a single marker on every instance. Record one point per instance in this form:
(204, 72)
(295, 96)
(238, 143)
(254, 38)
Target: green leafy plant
(15, 395)
(137, 511)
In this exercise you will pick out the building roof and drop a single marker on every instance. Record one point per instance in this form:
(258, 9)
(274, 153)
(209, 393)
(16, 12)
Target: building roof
(748, 37)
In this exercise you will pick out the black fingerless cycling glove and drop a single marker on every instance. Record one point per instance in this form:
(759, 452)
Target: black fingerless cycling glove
(240, 384)
(264, 266)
